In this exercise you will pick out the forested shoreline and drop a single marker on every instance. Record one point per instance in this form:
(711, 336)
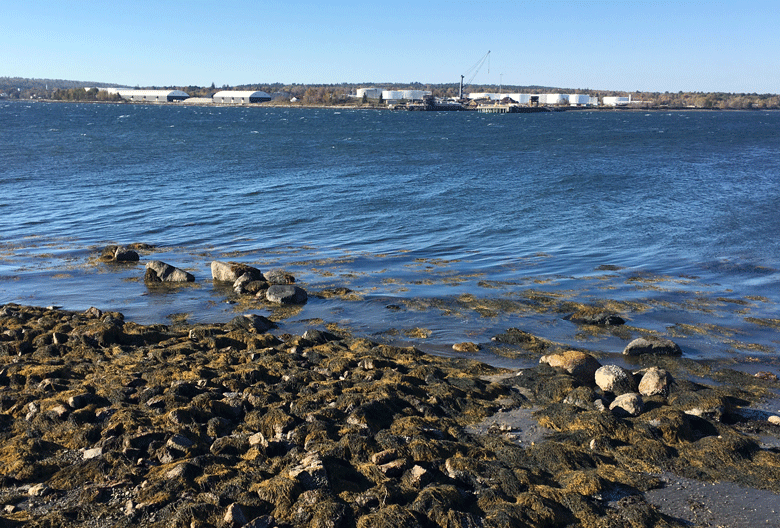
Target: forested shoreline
(341, 94)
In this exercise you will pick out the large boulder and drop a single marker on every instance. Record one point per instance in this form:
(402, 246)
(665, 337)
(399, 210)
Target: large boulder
(157, 271)
(286, 294)
(579, 364)
(655, 381)
(615, 379)
(231, 271)
(652, 345)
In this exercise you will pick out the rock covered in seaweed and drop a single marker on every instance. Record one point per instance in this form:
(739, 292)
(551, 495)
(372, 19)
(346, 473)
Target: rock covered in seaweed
(118, 254)
(652, 345)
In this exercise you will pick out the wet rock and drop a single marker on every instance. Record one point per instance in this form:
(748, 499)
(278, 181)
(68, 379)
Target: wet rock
(652, 345)
(231, 271)
(279, 277)
(157, 271)
(253, 323)
(629, 404)
(515, 336)
(118, 254)
(655, 381)
(595, 316)
(579, 364)
(286, 294)
(466, 348)
(615, 380)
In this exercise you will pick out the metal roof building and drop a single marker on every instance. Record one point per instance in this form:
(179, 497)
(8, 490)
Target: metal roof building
(240, 97)
(153, 96)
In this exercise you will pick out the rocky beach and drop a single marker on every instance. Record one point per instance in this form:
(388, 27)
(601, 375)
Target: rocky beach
(107, 422)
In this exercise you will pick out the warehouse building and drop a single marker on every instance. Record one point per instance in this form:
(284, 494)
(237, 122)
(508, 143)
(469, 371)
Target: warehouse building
(240, 97)
(153, 96)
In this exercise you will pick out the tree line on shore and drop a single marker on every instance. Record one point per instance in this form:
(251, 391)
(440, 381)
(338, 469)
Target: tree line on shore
(340, 94)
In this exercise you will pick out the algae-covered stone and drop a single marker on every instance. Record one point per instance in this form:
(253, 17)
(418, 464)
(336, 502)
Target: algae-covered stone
(652, 345)
(615, 379)
(579, 364)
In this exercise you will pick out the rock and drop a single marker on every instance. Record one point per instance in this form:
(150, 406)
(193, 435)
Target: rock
(231, 271)
(579, 364)
(234, 516)
(286, 294)
(279, 277)
(95, 452)
(614, 379)
(629, 404)
(652, 345)
(157, 271)
(118, 254)
(466, 348)
(595, 316)
(252, 323)
(774, 420)
(655, 381)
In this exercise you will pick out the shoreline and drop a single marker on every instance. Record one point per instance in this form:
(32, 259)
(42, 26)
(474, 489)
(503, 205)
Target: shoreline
(160, 424)
(378, 108)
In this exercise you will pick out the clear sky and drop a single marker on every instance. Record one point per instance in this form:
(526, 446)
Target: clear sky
(707, 46)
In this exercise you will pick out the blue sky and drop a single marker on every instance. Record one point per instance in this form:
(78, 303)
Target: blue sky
(727, 46)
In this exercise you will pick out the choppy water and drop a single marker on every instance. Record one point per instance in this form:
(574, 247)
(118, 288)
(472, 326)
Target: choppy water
(675, 211)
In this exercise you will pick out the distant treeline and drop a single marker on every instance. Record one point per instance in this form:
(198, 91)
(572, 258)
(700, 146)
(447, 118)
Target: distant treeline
(339, 94)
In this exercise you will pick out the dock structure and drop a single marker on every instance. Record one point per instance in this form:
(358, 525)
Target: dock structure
(510, 109)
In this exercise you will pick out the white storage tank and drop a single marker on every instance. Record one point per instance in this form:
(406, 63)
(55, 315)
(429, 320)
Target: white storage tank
(519, 98)
(392, 95)
(554, 99)
(370, 93)
(415, 95)
(579, 99)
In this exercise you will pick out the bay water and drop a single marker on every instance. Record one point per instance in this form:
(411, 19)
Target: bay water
(672, 217)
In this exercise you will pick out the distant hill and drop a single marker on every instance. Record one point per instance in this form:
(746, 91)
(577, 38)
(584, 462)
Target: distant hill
(8, 84)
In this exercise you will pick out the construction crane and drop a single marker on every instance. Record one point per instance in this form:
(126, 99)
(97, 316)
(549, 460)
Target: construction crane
(474, 69)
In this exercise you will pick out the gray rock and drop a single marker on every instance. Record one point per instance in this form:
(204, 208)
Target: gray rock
(652, 345)
(614, 379)
(279, 277)
(230, 271)
(655, 381)
(286, 294)
(125, 255)
(629, 404)
(157, 271)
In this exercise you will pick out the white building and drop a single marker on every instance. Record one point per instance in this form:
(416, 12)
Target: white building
(240, 97)
(153, 96)
(617, 101)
